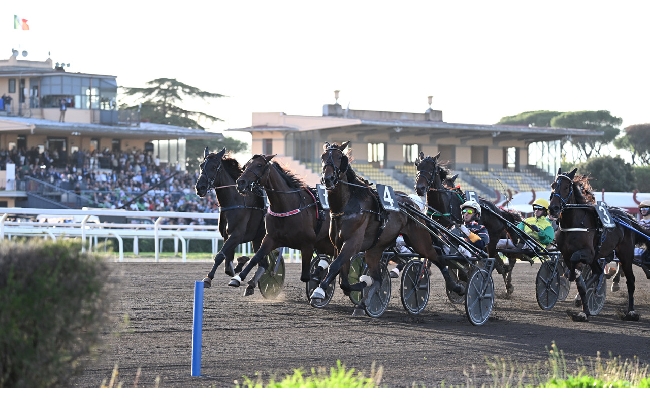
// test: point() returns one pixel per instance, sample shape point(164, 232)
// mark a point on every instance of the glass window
point(375, 152)
point(12, 85)
point(411, 152)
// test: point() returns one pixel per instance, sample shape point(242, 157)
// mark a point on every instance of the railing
point(55, 194)
point(90, 232)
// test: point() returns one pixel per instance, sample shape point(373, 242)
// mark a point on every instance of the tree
point(637, 141)
point(160, 103)
point(642, 176)
point(600, 120)
point(194, 149)
point(611, 174)
point(530, 118)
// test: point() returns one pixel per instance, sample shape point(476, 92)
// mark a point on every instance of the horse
point(360, 224)
point(444, 201)
point(293, 218)
point(241, 219)
point(583, 239)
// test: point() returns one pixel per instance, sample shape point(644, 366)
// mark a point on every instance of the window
point(411, 152)
point(115, 148)
point(12, 86)
point(376, 154)
point(267, 146)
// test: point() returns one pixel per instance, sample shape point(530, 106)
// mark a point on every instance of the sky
point(480, 60)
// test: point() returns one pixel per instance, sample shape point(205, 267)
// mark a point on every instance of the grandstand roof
point(145, 130)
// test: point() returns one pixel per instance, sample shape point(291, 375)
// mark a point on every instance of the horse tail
point(222, 227)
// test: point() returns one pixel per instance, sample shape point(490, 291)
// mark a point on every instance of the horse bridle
point(431, 178)
point(330, 162)
point(564, 201)
point(216, 172)
point(266, 170)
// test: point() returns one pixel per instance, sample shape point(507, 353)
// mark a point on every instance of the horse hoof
point(305, 278)
point(458, 288)
point(249, 291)
point(394, 273)
point(358, 312)
point(207, 282)
point(577, 301)
point(615, 287)
point(318, 294)
point(235, 281)
point(509, 289)
point(229, 271)
point(631, 316)
point(578, 317)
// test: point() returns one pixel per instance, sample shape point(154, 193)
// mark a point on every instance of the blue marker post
point(197, 328)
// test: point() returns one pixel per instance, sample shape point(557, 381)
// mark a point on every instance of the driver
point(539, 227)
point(474, 232)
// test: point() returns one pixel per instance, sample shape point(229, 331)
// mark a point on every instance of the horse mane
point(231, 165)
point(292, 180)
point(583, 191)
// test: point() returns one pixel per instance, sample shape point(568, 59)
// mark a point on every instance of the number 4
point(387, 198)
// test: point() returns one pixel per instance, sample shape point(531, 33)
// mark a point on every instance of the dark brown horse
point(293, 219)
point(360, 224)
point(241, 219)
point(444, 203)
point(583, 239)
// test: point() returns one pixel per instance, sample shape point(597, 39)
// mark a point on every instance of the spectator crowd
point(115, 179)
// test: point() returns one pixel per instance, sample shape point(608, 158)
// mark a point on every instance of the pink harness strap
point(292, 212)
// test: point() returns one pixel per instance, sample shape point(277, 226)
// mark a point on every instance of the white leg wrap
point(318, 293)
point(323, 264)
point(237, 278)
point(367, 279)
point(395, 270)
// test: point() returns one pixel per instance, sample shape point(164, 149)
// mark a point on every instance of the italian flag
point(20, 23)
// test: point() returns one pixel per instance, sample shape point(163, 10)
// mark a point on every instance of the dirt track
point(246, 335)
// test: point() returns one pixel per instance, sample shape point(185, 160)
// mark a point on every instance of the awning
point(15, 126)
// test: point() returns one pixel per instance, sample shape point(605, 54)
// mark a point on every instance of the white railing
point(90, 232)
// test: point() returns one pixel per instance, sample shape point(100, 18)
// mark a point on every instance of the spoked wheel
point(595, 297)
point(414, 288)
point(270, 284)
point(547, 284)
point(458, 275)
point(316, 270)
point(377, 298)
point(480, 296)
point(357, 268)
point(565, 284)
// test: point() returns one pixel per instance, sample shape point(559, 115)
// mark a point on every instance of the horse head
point(256, 169)
point(562, 192)
point(210, 168)
point(335, 163)
point(428, 175)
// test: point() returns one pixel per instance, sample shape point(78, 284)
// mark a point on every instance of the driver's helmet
point(541, 203)
point(644, 204)
point(473, 205)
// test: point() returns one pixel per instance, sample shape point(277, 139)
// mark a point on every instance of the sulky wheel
point(548, 285)
point(378, 295)
point(316, 271)
point(270, 284)
point(480, 296)
point(595, 296)
point(414, 287)
point(565, 284)
point(357, 268)
point(457, 273)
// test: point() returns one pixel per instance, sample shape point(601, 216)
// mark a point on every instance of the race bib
point(387, 197)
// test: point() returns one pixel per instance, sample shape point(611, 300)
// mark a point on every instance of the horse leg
point(368, 284)
point(582, 292)
point(259, 258)
point(306, 253)
point(348, 249)
point(227, 253)
point(616, 280)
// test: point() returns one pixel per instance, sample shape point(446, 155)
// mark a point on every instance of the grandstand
point(484, 183)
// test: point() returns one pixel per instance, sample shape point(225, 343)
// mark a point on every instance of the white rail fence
point(91, 232)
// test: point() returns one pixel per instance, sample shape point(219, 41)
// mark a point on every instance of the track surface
point(243, 336)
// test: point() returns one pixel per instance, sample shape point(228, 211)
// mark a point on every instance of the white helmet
point(422, 205)
point(472, 204)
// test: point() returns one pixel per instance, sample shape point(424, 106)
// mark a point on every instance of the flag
point(20, 23)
